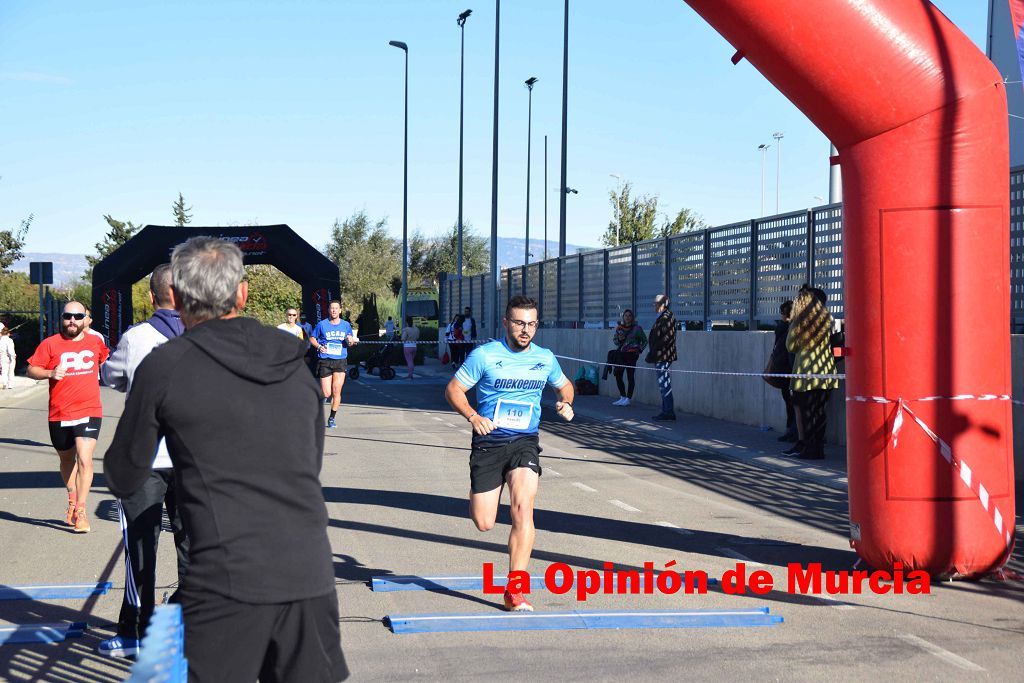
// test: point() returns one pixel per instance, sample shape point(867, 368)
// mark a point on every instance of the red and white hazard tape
point(1003, 526)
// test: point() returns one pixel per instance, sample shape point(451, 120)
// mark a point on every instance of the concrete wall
point(747, 400)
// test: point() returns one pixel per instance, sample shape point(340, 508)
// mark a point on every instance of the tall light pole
point(764, 154)
point(461, 21)
point(495, 275)
point(545, 197)
point(565, 119)
point(778, 167)
point(530, 82)
point(405, 183)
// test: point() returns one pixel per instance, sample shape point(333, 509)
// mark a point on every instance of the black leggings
point(626, 358)
point(811, 405)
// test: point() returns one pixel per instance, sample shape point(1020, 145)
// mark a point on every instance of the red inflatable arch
point(919, 117)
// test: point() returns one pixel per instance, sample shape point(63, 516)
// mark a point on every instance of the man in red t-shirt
point(71, 361)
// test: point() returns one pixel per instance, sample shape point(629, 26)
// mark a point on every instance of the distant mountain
point(511, 250)
point(67, 268)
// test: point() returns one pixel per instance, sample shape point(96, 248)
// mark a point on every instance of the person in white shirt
point(7, 357)
point(389, 327)
point(291, 326)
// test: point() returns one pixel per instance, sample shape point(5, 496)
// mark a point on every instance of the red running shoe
point(515, 602)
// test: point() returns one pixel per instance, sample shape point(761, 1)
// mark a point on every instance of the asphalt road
point(395, 479)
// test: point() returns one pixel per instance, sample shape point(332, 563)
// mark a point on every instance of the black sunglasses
point(73, 316)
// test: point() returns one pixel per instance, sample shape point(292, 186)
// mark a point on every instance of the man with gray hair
point(141, 512)
point(258, 598)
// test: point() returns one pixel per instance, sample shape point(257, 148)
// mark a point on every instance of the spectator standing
point(782, 364)
point(8, 357)
point(663, 353)
point(141, 512)
point(630, 341)
point(410, 335)
point(245, 432)
point(389, 328)
point(809, 339)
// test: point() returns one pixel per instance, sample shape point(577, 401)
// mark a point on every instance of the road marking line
point(729, 552)
point(450, 425)
point(439, 419)
point(834, 603)
point(583, 487)
point(552, 472)
point(945, 655)
point(673, 527)
point(624, 506)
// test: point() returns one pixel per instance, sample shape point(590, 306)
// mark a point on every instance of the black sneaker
point(794, 449)
point(663, 417)
point(789, 437)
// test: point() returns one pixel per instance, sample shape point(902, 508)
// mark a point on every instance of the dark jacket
point(245, 430)
point(663, 339)
point(782, 360)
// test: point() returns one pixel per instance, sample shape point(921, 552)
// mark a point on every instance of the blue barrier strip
point(54, 591)
point(162, 654)
point(384, 584)
point(548, 621)
point(40, 633)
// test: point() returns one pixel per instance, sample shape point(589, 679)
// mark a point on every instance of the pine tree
point(182, 217)
point(119, 233)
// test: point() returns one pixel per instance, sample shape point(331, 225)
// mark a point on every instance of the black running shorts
point(328, 366)
point(488, 465)
point(62, 434)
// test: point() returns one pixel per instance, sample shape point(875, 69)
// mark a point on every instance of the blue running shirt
point(509, 386)
point(332, 338)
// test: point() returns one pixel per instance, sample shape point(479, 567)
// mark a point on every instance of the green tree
point(271, 292)
point(687, 220)
point(119, 233)
point(440, 254)
point(368, 258)
point(182, 217)
point(633, 219)
point(12, 243)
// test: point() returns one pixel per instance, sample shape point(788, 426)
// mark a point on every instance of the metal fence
point(736, 273)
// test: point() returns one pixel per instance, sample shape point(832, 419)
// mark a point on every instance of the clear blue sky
point(290, 112)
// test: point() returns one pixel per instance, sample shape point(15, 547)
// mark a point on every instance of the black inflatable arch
point(277, 245)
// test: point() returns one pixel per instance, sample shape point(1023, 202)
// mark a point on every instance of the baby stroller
point(379, 361)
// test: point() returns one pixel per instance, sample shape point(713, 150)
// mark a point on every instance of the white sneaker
point(617, 403)
point(624, 402)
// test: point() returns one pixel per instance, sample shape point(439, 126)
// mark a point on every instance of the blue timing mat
point(65, 591)
point(40, 633)
point(548, 621)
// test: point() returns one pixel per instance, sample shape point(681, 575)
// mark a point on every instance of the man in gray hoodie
point(141, 511)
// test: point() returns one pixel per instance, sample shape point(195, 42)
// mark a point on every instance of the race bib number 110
point(513, 415)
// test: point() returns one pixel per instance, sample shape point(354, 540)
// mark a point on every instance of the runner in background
point(71, 361)
point(291, 325)
point(509, 376)
point(332, 337)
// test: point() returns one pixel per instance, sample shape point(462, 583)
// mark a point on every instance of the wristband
point(470, 418)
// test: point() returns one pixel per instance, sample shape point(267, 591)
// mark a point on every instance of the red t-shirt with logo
point(78, 394)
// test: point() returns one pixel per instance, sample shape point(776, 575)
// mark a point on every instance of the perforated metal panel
point(1017, 250)
point(781, 261)
point(549, 303)
point(533, 281)
point(569, 291)
point(478, 287)
point(686, 275)
point(650, 279)
point(730, 272)
point(828, 256)
point(515, 283)
point(593, 288)
point(620, 282)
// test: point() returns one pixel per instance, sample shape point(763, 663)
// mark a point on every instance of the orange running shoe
point(81, 521)
point(515, 602)
point(69, 516)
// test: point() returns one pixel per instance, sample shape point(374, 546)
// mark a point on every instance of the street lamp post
point(495, 275)
point(405, 183)
point(565, 119)
point(778, 167)
point(618, 209)
point(545, 197)
point(764, 153)
point(530, 82)
point(462, 98)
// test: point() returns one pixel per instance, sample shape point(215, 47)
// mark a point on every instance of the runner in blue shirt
point(509, 376)
point(331, 338)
